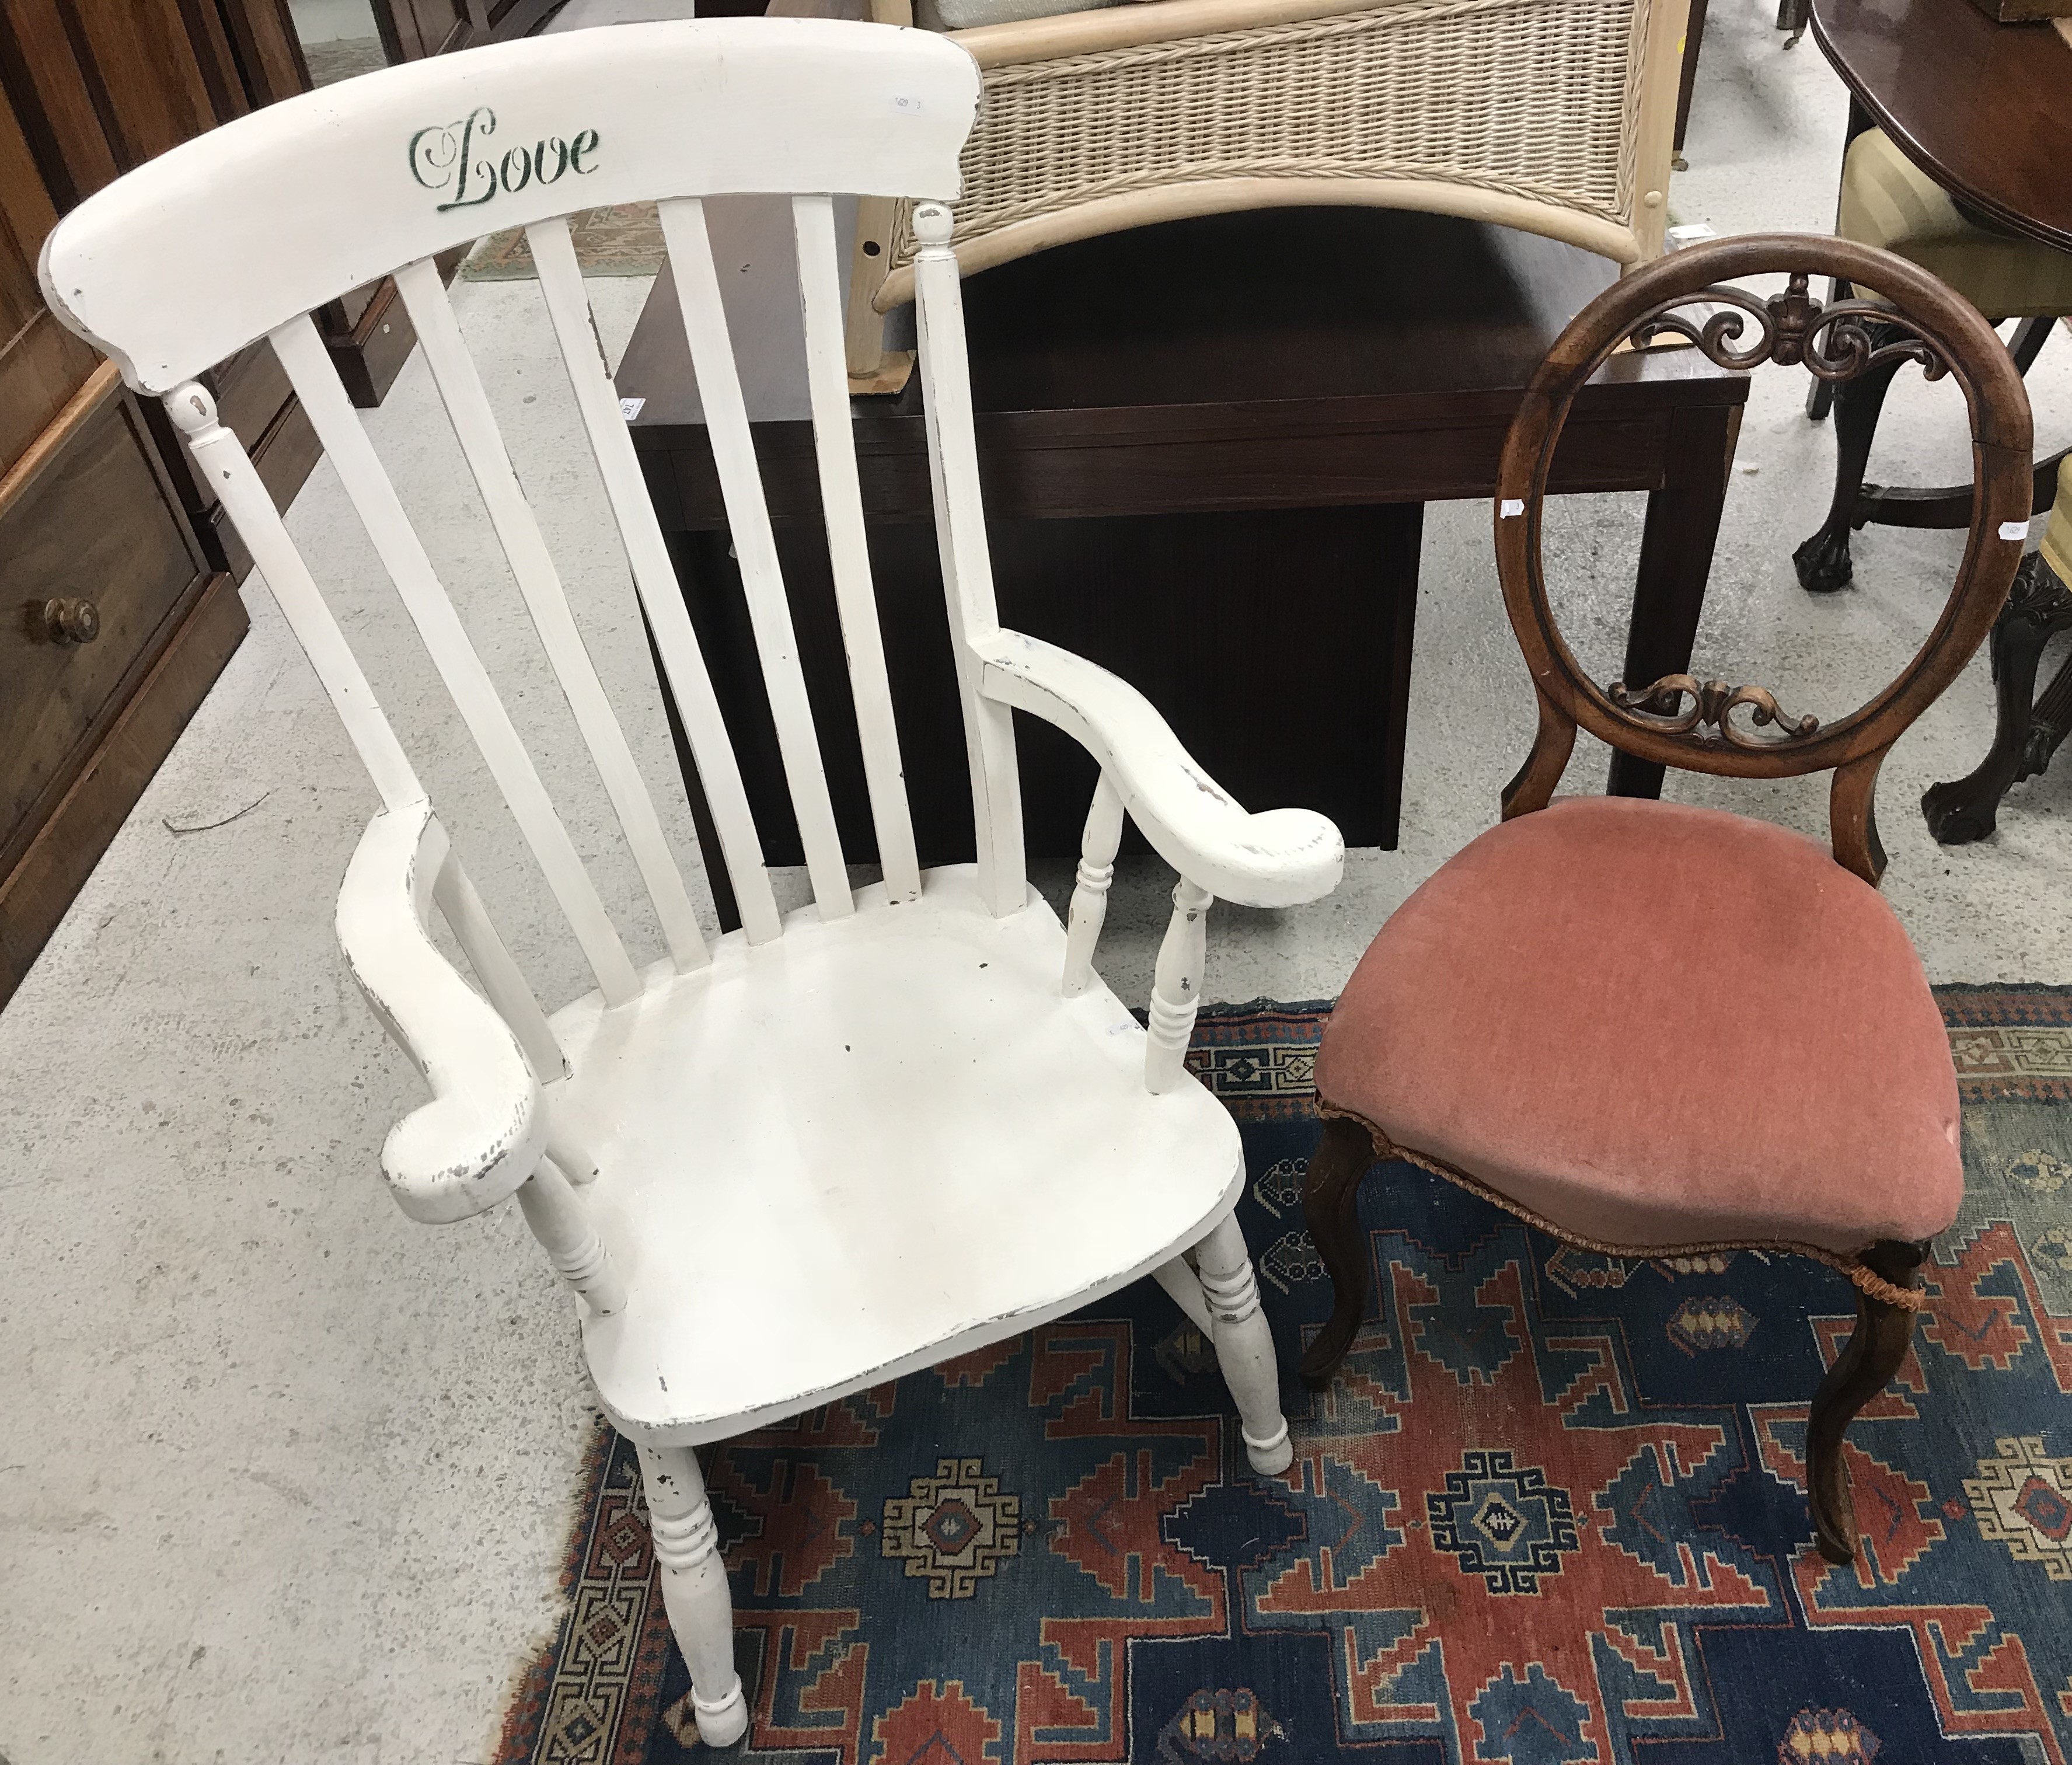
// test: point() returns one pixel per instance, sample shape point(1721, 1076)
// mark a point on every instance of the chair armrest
point(1275, 858)
point(483, 1133)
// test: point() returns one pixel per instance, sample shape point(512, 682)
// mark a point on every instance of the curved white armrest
point(1272, 859)
point(481, 1134)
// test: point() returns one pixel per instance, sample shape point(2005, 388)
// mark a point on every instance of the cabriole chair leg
point(1330, 1203)
point(1863, 1368)
point(1822, 561)
point(694, 1590)
point(1244, 1346)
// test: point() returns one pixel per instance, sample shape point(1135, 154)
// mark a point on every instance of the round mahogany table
point(1984, 109)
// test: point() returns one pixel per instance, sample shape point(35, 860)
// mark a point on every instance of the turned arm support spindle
point(1096, 871)
point(560, 1222)
point(1176, 987)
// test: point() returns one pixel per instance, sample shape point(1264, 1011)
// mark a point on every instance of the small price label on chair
point(630, 408)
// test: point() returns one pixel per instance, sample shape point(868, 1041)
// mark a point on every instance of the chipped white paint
point(1176, 986)
point(1184, 1287)
point(1275, 858)
point(1245, 1345)
point(467, 407)
point(694, 1590)
point(967, 562)
point(318, 193)
point(1097, 872)
point(848, 557)
point(561, 1223)
point(480, 1135)
point(821, 1151)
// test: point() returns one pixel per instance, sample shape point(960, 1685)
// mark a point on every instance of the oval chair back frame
point(1682, 722)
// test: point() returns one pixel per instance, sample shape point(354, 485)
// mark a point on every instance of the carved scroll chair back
point(1556, 1020)
point(806, 1156)
point(1741, 731)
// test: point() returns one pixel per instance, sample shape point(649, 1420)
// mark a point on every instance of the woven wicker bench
point(1554, 116)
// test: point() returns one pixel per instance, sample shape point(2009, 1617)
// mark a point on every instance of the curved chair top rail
point(1684, 721)
point(210, 246)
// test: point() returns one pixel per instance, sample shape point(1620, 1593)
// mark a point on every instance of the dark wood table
point(1981, 107)
point(1206, 447)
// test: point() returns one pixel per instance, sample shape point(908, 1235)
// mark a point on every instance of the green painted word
point(443, 157)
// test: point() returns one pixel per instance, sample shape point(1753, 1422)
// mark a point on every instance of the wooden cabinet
point(411, 28)
point(117, 602)
point(115, 625)
point(118, 605)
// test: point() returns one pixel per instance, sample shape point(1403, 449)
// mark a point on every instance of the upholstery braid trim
point(1866, 1279)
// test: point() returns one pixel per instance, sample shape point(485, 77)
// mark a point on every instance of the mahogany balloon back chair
point(1656, 1030)
point(830, 1147)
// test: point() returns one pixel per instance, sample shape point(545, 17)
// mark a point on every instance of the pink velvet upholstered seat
point(1657, 1025)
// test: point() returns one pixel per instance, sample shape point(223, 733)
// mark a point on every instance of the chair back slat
point(755, 547)
point(841, 504)
point(308, 364)
point(503, 982)
point(481, 445)
point(966, 563)
point(228, 471)
point(655, 578)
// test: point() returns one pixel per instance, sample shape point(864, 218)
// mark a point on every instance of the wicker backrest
point(1554, 116)
point(1708, 725)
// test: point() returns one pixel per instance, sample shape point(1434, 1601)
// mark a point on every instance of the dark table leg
point(1694, 34)
point(1675, 561)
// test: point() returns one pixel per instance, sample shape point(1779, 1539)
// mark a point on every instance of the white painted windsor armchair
point(831, 1147)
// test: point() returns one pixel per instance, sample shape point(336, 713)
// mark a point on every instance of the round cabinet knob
point(70, 620)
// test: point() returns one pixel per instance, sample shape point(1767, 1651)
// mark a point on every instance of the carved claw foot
point(2027, 730)
point(1822, 561)
point(1957, 814)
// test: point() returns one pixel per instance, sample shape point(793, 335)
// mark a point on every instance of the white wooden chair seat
point(871, 1102)
point(825, 1149)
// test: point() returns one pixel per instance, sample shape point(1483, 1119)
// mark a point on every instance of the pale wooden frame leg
point(1245, 1345)
point(694, 1591)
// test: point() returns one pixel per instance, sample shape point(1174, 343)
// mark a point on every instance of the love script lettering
point(445, 156)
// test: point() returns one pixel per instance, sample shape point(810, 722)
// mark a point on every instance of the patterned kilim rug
point(624, 241)
point(1552, 1510)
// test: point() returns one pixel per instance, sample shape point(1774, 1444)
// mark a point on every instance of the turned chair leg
point(694, 1591)
point(1330, 1203)
point(2037, 607)
point(1822, 561)
point(1245, 1345)
point(1864, 1367)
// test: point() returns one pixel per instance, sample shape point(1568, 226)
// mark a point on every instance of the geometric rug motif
point(1551, 1510)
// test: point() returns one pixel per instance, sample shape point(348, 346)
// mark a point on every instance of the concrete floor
point(284, 1477)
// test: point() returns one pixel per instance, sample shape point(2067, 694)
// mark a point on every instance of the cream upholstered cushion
point(1657, 1026)
point(2057, 536)
point(1888, 200)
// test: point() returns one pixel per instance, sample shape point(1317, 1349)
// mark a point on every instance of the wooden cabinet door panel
point(42, 364)
point(94, 523)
